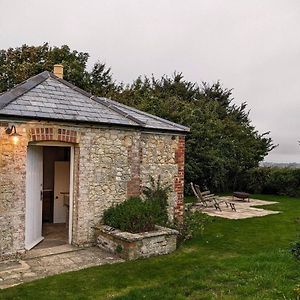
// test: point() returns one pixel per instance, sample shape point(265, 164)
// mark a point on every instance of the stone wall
point(103, 174)
point(159, 158)
point(137, 245)
point(109, 166)
point(12, 194)
point(115, 164)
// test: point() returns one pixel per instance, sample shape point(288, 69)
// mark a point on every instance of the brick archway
point(51, 133)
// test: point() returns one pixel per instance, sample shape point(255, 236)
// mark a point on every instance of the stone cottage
point(66, 156)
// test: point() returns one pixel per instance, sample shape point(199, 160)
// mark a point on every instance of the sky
point(252, 46)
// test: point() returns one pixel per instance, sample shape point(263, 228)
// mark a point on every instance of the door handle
point(41, 196)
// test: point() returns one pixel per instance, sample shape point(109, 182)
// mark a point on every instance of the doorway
point(48, 187)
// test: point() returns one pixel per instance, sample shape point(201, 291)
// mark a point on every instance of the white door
point(61, 191)
point(34, 196)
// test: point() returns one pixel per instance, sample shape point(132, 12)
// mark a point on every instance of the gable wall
point(110, 165)
point(115, 164)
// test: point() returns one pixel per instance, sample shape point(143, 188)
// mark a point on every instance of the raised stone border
point(136, 245)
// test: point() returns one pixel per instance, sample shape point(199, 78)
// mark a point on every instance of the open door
point(34, 196)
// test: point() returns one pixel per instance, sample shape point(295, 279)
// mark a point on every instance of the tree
point(18, 64)
point(101, 82)
point(222, 143)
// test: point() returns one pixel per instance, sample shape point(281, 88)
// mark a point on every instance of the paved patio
point(39, 263)
point(244, 209)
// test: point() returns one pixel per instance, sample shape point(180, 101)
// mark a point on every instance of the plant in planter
point(133, 215)
point(157, 194)
point(131, 228)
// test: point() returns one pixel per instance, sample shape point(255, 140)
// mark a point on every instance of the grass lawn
point(234, 259)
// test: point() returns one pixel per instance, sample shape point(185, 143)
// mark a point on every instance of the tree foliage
point(18, 64)
point(222, 144)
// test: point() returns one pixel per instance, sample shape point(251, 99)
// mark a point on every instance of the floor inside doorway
point(54, 235)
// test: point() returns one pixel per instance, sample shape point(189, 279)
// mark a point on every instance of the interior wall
point(52, 154)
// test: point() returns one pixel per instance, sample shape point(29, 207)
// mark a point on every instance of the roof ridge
point(22, 88)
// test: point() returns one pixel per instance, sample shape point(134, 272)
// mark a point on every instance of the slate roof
point(46, 96)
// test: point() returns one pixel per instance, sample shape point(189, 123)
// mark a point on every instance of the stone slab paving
point(38, 264)
point(244, 209)
point(40, 252)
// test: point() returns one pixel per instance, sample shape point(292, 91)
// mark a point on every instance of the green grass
point(234, 259)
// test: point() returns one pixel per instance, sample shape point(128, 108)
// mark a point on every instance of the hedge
point(270, 180)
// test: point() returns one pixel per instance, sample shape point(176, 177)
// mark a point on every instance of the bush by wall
point(133, 215)
point(193, 225)
point(157, 193)
point(138, 215)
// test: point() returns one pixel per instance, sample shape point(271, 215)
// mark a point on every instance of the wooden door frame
point(71, 188)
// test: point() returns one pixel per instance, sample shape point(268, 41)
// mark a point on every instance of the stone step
point(35, 253)
point(9, 266)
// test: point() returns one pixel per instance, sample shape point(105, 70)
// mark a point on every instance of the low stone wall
point(136, 245)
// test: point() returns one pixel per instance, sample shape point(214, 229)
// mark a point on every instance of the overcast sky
point(252, 46)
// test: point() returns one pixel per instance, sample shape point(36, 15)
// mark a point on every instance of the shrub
point(194, 224)
point(136, 215)
point(254, 180)
point(295, 249)
point(133, 215)
point(296, 292)
point(157, 189)
point(283, 182)
point(295, 246)
point(157, 194)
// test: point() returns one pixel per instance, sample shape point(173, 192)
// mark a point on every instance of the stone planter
point(136, 245)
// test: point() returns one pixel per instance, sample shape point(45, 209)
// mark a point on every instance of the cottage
point(66, 156)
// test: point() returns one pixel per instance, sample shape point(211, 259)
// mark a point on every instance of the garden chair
point(206, 197)
point(200, 200)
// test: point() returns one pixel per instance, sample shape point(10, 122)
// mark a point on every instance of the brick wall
point(135, 156)
point(179, 178)
point(53, 133)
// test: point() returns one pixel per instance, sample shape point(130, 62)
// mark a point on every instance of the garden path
point(39, 263)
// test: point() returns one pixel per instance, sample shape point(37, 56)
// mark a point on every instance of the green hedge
point(280, 181)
